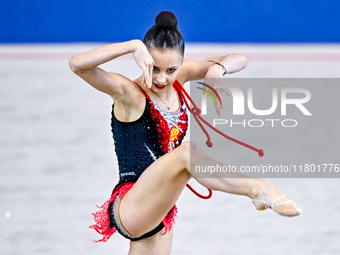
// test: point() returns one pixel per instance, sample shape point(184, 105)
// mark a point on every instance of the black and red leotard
point(137, 145)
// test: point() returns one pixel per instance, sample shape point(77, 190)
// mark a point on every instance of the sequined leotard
point(138, 144)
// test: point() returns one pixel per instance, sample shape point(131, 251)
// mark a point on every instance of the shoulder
point(130, 88)
point(133, 95)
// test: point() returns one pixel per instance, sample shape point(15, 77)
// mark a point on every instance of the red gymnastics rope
point(196, 112)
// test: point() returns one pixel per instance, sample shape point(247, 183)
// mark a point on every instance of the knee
point(191, 152)
point(187, 147)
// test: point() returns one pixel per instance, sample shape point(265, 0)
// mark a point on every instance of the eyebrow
point(174, 67)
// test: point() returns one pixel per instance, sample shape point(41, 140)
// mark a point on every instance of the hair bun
point(166, 19)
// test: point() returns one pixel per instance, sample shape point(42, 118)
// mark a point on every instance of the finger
point(215, 93)
point(215, 100)
point(217, 107)
point(209, 90)
point(150, 74)
point(226, 91)
point(219, 91)
point(219, 103)
point(145, 75)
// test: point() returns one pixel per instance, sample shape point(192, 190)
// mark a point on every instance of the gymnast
point(149, 122)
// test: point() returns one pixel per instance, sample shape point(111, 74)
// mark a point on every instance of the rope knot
point(196, 111)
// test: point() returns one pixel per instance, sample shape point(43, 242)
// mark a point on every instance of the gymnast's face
point(166, 68)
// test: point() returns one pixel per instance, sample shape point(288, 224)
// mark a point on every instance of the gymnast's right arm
point(85, 65)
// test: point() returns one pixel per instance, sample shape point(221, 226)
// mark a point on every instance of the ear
point(183, 59)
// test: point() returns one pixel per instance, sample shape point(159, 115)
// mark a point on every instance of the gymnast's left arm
point(194, 70)
point(211, 72)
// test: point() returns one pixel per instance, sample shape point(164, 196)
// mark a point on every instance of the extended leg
point(159, 187)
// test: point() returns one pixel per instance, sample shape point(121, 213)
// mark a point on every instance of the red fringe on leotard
point(102, 217)
point(169, 220)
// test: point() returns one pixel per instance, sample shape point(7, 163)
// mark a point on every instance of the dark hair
point(165, 34)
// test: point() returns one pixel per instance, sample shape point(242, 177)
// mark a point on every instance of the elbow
point(239, 62)
point(74, 65)
point(243, 60)
point(246, 60)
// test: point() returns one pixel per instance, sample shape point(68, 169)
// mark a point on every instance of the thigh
point(146, 204)
point(155, 245)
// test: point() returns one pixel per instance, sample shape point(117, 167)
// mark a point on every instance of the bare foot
point(266, 195)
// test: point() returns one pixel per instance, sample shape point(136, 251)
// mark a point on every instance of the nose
point(161, 79)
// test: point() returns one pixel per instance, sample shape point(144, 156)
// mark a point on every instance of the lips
point(159, 86)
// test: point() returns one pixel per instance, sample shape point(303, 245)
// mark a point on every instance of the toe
point(288, 210)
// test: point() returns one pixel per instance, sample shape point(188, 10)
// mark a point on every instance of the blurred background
point(24, 21)
point(57, 156)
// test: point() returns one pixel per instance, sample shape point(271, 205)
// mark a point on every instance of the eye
point(171, 70)
point(155, 69)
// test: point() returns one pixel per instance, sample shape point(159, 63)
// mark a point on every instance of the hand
point(214, 76)
point(144, 61)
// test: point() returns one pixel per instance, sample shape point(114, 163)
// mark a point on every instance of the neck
point(164, 94)
point(164, 98)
